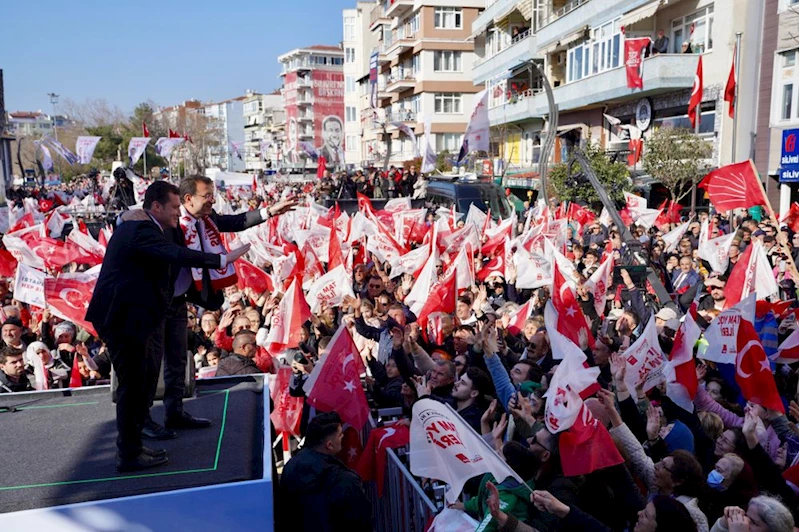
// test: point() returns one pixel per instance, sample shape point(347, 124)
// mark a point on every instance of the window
point(413, 24)
point(416, 103)
point(337, 61)
point(696, 29)
point(448, 103)
point(446, 61)
point(349, 55)
point(349, 84)
point(600, 53)
point(349, 28)
point(707, 121)
point(787, 86)
point(350, 113)
point(351, 143)
point(448, 18)
point(448, 141)
point(416, 64)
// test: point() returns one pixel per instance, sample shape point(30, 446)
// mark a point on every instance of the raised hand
point(652, 422)
point(547, 502)
point(235, 254)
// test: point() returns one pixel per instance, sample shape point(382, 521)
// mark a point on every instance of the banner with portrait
point(328, 115)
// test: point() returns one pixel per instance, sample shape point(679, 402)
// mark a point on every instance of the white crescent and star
point(740, 359)
point(389, 432)
point(696, 85)
point(347, 360)
point(64, 294)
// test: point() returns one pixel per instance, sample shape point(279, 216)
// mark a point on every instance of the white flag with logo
point(330, 289)
point(430, 158)
point(722, 333)
point(673, 237)
point(29, 286)
point(164, 146)
point(477, 132)
point(645, 360)
point(84, 147)
point(444, 447)
point(599, 282)
point(136, 148)
point(716, 252)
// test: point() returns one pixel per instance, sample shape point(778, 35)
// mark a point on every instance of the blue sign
point(789, 158)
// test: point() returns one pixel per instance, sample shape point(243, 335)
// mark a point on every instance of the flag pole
point(737, 63)
point(696, 132)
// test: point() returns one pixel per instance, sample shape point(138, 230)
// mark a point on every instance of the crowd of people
point(726, 463)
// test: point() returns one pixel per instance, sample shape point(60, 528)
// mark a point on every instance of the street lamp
point(54, 100)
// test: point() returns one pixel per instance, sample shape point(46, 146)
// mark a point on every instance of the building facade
point(313, 100)
point(424, 56)
point(579, 45)
point(35, 123)
point(263, 119)
point(226, 119)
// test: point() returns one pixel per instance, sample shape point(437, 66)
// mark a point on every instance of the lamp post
point(54, 101)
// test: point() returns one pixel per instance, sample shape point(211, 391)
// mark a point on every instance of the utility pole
point(54, 101)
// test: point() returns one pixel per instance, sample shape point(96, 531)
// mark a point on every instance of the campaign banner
point(29, 286)
point(410, 133)
point(47, 159)
point(477, 132)
point(634, 61)
point(328, 111)
point(292, 113)
point(61, 150)
point(136, 148)
point(430, 158)
point(164, 146)
point(84, 147)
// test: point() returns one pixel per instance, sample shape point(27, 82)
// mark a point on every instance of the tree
point(614, 177)
point(676, 157)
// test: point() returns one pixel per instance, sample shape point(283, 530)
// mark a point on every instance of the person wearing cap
point(12, 333)
point(595, 236)
point(663, 318)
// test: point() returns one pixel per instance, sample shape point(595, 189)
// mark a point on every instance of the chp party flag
point(634, 61)
point(645, 360)
point(136, 148)
point(335, 383)
point(751, 274)
point(444, 447)
point(330, 289)
point(735, 186)
point(84, 147)
point(722, 333)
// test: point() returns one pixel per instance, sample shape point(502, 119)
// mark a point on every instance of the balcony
point(494, 10)
point(662, 73)
point(400, 82)
point(304, 81)
point(306, 133)
point(305, 100)
point(400, 115)
point(305, 117)
point(521, 49)
point(577, 14)
point(397, 8)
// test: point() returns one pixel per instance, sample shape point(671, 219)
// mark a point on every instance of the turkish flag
point(753, 371)
point(681, 381)
point(518, 319)
point(144, 131)
point(696, 95)
point(45, 205)
point(75, 380)
point(364, 204)
point(636, 147)
point(335, 383)
point(792, 218)
point(287, 411)
point(729, 89)
point(587, 446)
point(580, 214)
point(351, 447)
point(68, 297)
point(56, 253)
point(335, 255)
point(496, 239)
point(443, 297)
point(105, 236)
point(174, 134)
point(251, 276)
point(8, 264)
point(571, 323)
point(287, 319)
point(495, 265)
point(735, 186)
point(372, 463)
point(23, 223)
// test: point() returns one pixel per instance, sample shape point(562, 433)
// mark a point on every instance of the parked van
point(463, 191)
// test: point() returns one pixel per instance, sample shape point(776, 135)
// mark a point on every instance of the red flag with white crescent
point(753, 371)
point(696, 95)
point(68, 297)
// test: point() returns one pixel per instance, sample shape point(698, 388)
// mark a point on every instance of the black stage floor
point(59, 447)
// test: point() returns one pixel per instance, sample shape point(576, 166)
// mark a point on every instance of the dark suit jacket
point(233, 223)
point(688, 281)
point(134, 286)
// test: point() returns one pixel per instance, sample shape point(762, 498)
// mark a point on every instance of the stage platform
point(58, 457)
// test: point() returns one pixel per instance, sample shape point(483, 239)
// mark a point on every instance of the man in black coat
point(197, 198)
point(129, 301)
point(242, 360)
point(319, 492)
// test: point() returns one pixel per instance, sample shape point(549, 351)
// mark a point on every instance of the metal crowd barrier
point(404, 504)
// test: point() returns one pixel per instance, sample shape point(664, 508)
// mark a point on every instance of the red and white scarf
point(211, 243)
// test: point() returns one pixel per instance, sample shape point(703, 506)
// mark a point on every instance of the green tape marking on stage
point(57, 406)
point(145, 475)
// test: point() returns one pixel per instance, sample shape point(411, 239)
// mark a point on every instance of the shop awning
point(640, 14)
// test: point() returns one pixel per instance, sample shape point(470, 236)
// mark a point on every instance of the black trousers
point(135, 369)
point(170, 344)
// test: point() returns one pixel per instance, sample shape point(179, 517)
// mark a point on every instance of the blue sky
point(168, 51)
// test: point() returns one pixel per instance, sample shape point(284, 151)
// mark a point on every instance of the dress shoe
point(154, 431)
point(140, 462)
point(187, 421)
point(153, 452)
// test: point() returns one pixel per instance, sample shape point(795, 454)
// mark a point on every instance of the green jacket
point(513, 500)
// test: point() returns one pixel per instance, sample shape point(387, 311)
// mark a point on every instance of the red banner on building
point(634, 50)
point(328, 115)
point(290, 103)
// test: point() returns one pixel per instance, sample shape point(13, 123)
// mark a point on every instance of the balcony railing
point(511, 97)
point(401, 115)
point(563, 11)
point(519, 38)
point(401, 76)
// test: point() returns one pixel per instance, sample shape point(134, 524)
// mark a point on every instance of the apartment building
point(313, 99)
point(264, 121)
point(424, 59)
point(580, 45)
point(778, 98)
point(35, 123)
point(226, 119)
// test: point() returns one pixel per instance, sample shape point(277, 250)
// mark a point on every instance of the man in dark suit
point(685, 277)
point(197, 197)
point(129, 301)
